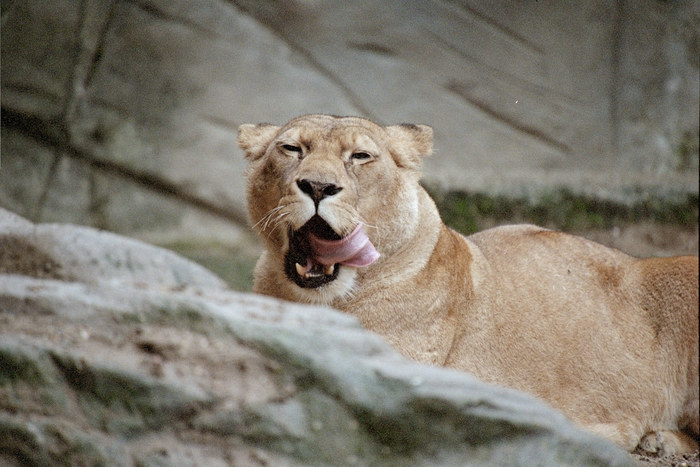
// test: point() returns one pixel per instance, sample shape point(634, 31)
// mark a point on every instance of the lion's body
point(609, 339)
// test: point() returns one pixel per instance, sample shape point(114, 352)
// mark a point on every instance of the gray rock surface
point(82, 254)
point(172, 368)
point(122, 114)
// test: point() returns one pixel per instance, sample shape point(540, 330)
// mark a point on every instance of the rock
point(123, 354)
point(89, 256)
point(123, 115)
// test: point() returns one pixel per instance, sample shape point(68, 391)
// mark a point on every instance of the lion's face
point(330, 195)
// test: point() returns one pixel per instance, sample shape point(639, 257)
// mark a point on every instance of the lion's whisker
point(277, 222)
point(266, 218)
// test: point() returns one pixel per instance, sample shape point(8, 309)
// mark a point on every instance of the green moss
point(180, 315)
point(560, 209)
point(188, 316)
point(71, 447)
point(56, 444)
point(17, 366)
point(22, 443)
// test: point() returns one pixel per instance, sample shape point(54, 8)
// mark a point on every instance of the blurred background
point(577, 115)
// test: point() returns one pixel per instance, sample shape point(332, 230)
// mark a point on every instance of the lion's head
point(329, 195)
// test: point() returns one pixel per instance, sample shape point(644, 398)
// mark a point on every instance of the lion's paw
point(666, 442)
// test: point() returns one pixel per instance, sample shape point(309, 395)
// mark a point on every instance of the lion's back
point(533, 248)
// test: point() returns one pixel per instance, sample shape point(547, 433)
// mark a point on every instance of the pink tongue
point(354, 250)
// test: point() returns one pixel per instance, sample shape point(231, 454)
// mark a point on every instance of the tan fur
point(609, 339)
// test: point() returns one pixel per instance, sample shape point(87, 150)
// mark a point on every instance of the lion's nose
point(318, 190)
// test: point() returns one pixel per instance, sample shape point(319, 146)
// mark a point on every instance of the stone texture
point(169, 367)
point(82, 254)
point(111, 107)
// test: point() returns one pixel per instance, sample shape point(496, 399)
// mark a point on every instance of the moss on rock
point(560, 209)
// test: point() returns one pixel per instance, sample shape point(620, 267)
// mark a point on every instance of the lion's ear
point(411, 142)
point(254, 139)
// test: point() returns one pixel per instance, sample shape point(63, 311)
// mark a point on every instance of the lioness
point(609, 339)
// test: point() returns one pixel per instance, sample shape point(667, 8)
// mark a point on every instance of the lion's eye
point(291, 149)
point(359, 156)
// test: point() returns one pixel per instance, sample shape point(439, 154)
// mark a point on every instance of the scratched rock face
point(172, 368)
point(122, 115)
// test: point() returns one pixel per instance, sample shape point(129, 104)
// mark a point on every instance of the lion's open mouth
point(316, 253)
point(300, 265)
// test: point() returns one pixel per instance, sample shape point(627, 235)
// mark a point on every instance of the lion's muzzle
point(316, 253)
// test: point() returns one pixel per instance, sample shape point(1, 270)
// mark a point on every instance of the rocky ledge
point(114, 352)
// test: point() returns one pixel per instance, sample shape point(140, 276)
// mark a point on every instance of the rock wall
point(113, 352)
point(121, 114)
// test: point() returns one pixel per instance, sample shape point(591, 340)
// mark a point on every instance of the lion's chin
point(332, 293)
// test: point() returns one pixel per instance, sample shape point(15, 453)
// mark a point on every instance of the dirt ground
point(676, 460)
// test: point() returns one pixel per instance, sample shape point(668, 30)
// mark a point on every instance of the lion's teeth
point(301, 270)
